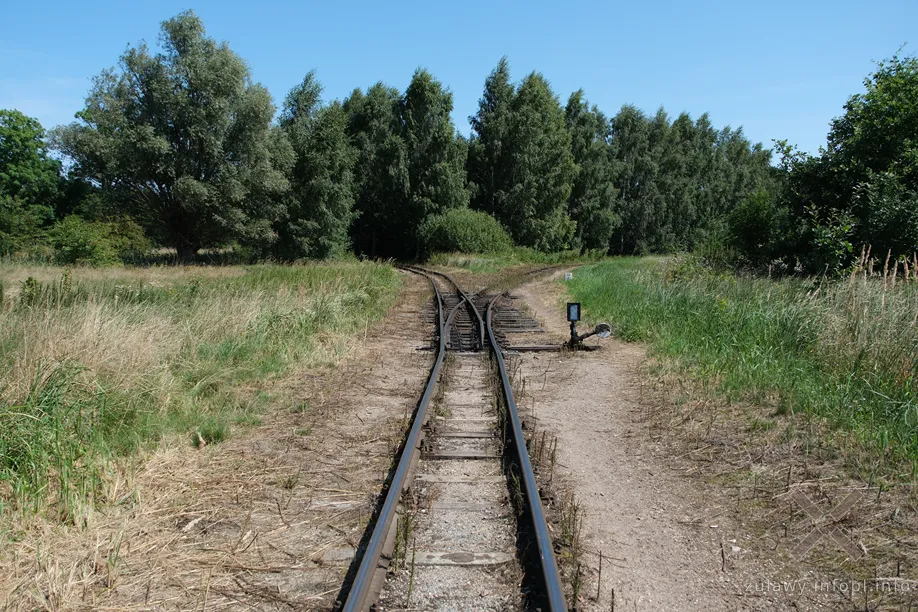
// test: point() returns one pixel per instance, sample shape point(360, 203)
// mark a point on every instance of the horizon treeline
point(181, 148)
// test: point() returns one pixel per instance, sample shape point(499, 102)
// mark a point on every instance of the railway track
point(460, 525)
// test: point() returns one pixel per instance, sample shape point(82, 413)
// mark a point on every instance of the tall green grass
point(846, 350)
point(97, 366)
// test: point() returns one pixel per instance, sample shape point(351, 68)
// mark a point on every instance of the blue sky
point(780, 69)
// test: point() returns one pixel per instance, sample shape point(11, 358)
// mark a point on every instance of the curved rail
point(553, 589)
point(366, 573)
point(462, 294)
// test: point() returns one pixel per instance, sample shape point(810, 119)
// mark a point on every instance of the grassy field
point(99, 365)
point(495, 262)
point(843, 350)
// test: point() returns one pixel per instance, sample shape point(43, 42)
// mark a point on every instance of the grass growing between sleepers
point(845, 350)
point(99, 365)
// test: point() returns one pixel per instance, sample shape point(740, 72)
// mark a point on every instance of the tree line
point(181, 148)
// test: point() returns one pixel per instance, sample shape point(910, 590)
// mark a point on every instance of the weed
point(760, 425)
point(414, 551)
point(210, 431)
point(30, 292)
point(404, 532)
point(576, 585)
point(288, 481)
point(571, 519)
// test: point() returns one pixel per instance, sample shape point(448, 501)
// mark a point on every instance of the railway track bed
point(460, 550)
point(460, 525)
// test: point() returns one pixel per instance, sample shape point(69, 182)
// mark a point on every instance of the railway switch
point(603, 330)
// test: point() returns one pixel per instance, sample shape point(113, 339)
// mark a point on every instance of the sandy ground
point(667, 543)
point(263, 521)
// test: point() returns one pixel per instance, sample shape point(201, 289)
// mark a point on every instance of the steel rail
point(362, 586)
point(369, 564)
point(465, 297)
point(552, 580)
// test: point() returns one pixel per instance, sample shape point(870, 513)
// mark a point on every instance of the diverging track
point(460, 525)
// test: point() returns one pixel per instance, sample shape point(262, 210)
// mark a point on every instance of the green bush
point(96, 243)
point(465, 231)
point(755, 229)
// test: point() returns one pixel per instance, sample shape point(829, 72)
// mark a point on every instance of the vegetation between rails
point(843, 350)
point(98, 365)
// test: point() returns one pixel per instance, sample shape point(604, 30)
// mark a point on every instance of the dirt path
point(667, 543)
point(264, 521)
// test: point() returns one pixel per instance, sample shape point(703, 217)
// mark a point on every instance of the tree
point(382, 170)
point(757, 228)
point(29, 180)
point(636, 181)
point(410, 164)
point(862, 188)
point(541, 169)
point(488, 161)
point(870, 166)
point(319, 206)
point(593, 195)
point(182, 141)
point(879, 130)
point(678, 181)
point(435, 156)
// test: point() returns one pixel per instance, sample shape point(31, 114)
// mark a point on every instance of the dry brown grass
point(100, 365)
point(12, 274)
point(752, 460)
point(255, 521)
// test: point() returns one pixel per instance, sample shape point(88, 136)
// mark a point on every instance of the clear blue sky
point(780, 69)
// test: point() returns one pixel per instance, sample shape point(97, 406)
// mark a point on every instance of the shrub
point(463, 230)
point(755, 228)
point(96, 243)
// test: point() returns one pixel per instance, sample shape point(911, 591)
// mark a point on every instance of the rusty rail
point(359, 595)
point(554, 592)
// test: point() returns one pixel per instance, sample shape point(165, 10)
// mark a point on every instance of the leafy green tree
point(436, 157)
point(677, 184)
point(756, 228)
point(879, 130)
point(381, 171)
point(181, 140)
point(541, 169)
point(892, 213)
point(864, 185)
point(489, 160)
point(410, 163)
point(678, 181)
point(320, 203)
point(30, 180)
point(632, 151)
point(593, 200)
